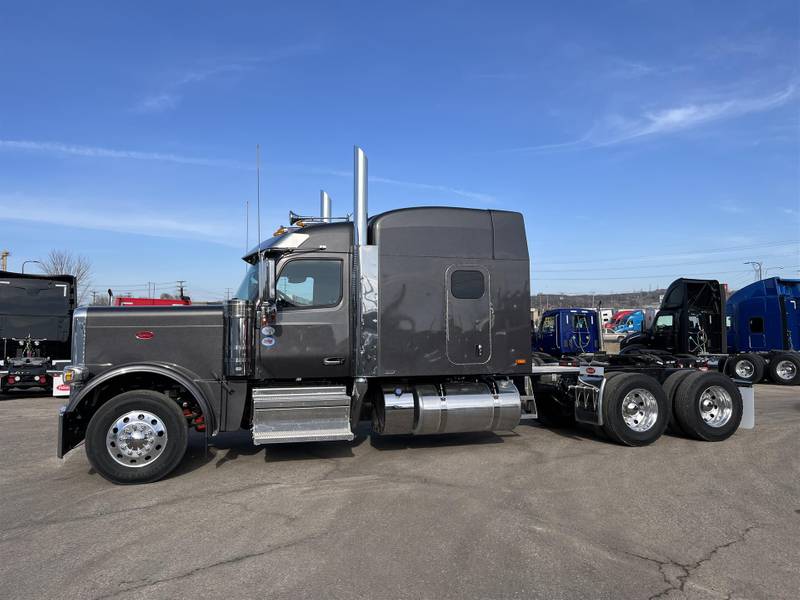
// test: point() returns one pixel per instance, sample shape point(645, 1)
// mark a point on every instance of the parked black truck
point(35, 328)
point(752, 334)
point(416, 318)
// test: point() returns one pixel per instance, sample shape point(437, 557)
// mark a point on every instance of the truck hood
point(182, 335)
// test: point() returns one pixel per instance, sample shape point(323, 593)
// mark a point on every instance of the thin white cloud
point(476, 196)
point(171, 95)
point(159, 102)
point(731, 208)
point(616, 129)
point(50, 211)
point(59, 148)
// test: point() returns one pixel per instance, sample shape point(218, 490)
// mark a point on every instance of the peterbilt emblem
point(590, 370)
point(145, 335)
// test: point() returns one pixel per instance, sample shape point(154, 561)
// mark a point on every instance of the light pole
point(38, 262)
point(766, 272)
point(756, 267)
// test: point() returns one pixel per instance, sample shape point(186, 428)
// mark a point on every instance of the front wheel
point(136, 437)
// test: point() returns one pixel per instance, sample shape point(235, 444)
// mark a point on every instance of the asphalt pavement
point(537, 513)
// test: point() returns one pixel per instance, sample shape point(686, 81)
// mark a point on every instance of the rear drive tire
point(670, 388)
point(708, 406)
point(136, 437)
point(635, 409)
point(747, 367)
point(784, 369)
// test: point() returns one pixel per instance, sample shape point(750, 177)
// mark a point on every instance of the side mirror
point(271, 276)
point(266, 280)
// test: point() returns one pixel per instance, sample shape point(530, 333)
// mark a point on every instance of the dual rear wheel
point(701, 405)
point(783, 368)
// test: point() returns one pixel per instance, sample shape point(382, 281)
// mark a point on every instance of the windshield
point(249, 288)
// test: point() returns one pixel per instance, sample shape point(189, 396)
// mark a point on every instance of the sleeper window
point(756, 325)
point(467, 285)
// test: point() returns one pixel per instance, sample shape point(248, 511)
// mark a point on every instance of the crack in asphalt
point(139, 584)
point(677, 582)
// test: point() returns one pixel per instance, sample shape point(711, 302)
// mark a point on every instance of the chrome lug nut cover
point(786, 370)
point(716, 406)
point(639, 410)
point(136, 439)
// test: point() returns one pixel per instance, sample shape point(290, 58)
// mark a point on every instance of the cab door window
point(309, 283)
point(663, 323)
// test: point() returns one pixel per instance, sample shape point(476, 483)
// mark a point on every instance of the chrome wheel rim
point(745, 369)
point(716, 406)
point(639, 410)
point(136, 439)
point(786, 370)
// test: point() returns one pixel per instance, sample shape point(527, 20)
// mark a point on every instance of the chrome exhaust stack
point(360, 197)
point(365, 277)
point(324, 206)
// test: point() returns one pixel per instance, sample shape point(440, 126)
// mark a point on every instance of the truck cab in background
point(35, 328)
point(752, 334)
point(763, 330)
point(568, 331)
point(691, 320)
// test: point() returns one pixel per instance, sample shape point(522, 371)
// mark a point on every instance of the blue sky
point(642, 140)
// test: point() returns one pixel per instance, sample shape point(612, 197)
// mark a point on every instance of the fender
point(178, 374)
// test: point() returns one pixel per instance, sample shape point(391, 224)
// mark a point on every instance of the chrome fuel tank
point(448, 408)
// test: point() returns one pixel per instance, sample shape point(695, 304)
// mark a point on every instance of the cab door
point(310, 338)
point(469, 315)
point(548, 334)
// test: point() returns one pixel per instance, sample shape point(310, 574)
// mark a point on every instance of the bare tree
point(100, 299)
point(64, 262)
point(166, 296)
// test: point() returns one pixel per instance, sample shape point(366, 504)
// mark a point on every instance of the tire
point(708, 406)
point(635, 409)
point(747, 367)
point(784, 369)
point(138, 460)
point(670, 388)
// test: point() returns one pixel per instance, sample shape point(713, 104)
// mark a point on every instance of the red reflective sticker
point(145, 335)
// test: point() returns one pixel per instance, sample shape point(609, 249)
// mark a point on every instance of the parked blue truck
point(568, 331)
point(755, 333)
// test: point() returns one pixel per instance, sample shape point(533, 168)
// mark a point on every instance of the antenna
point(258, 195)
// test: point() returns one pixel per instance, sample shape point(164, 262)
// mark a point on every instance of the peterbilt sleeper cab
point(416, 318)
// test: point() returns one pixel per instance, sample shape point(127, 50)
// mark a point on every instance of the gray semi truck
point(417, 319)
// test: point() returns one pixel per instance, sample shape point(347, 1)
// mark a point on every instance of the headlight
point(74, 374)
